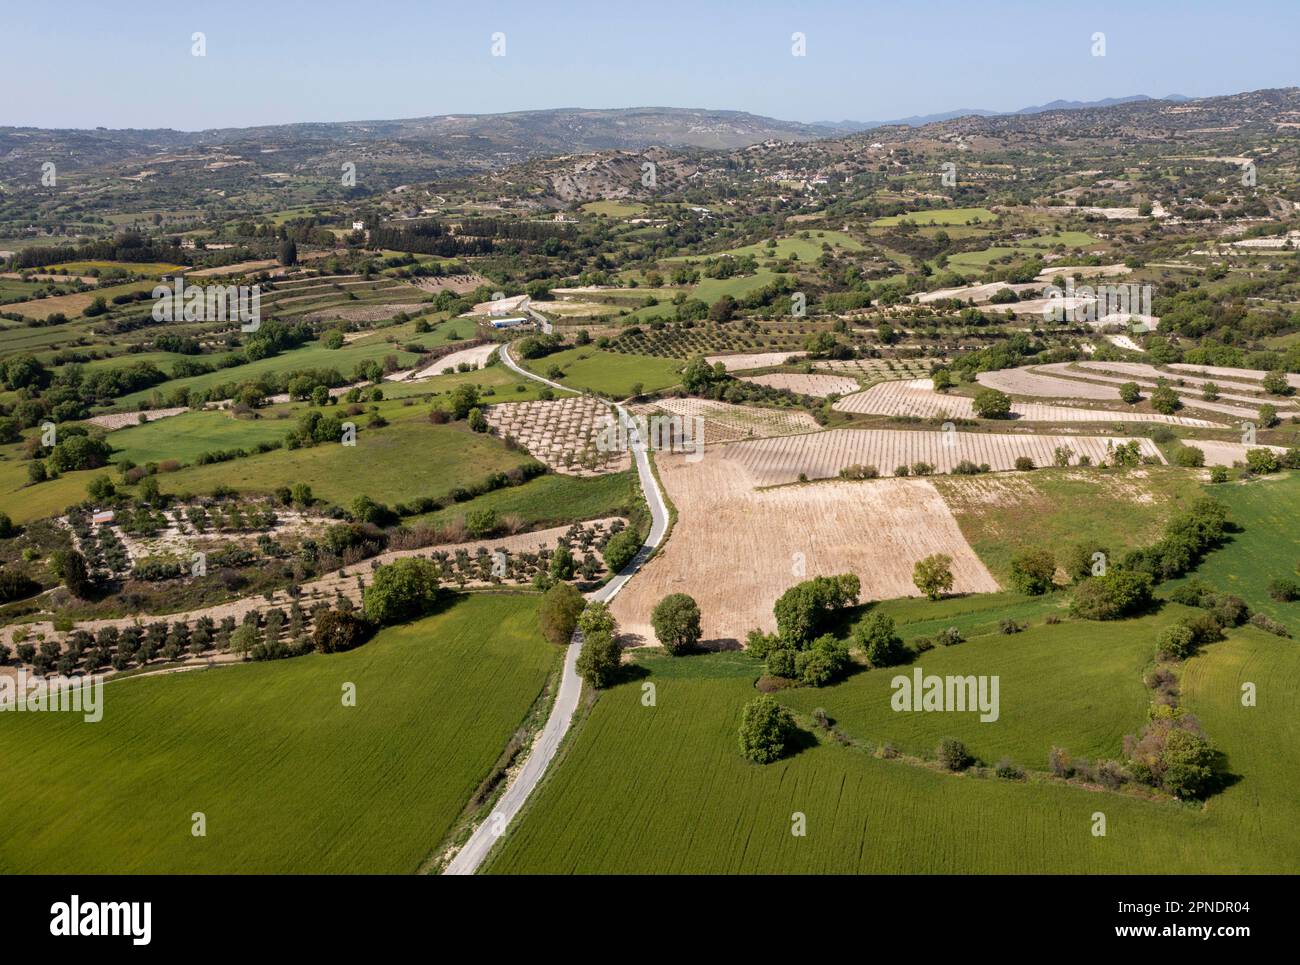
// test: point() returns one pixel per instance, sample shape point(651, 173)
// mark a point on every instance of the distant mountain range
point(918, 120)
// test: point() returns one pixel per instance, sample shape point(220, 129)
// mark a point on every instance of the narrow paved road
point(480, 843)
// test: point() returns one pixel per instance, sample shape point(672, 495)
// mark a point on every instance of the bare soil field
point(1220, 371)
point(724, 422)
point(453, 283)
point(239, 268)
point(563, 433)
point(918, 398)
point(821, 455)
point(476, 356)
point(1030, 382)
point(736, 549)
point(1190, 397)
point(753, 360)
point(875, 370)
point(818, 385)
point(123, 420)
point(1218, 453)
point(1081, 271)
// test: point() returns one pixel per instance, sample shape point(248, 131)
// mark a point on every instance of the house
point(358, 226)
point(508, 322)
point(102, 518)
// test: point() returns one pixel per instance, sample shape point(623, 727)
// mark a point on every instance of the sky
point(285, 61)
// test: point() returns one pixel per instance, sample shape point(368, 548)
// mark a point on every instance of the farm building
point(508, 322)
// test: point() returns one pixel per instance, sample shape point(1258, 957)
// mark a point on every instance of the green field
point(611, 374)
point(399, 462)
point(939, 216)
point(551, 500)
point(289, 779)
point(664, 789)
point(185, 437)
point(1266, 548)
point(1053, 509)
point(615, 209)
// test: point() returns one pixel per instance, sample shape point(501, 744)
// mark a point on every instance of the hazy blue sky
point(88, 63)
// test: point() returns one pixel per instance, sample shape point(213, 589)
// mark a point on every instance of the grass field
point(551, 500)
point(615, 209)
point(74, 304)
point(147, 268)
point(1053, 509)
point(24, 502)
point(289, 779)
point(1266, 548)
point(664, 789)
point(610, 374)
point(185, 437)
point(939, 216)
point(400, 462)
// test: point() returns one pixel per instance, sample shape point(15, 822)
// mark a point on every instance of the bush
point(620, 549)
point(401, 590)
point(876, 638)
point(765, 730)
point(952, 754)
point(1034, 572)
point(992, 404)
point(1165, 400)
point(949, 637)
point(1117, 593)
point(559, 611)
point(822, 663)
point(1008, 770)
point(676, 622)
point(1131, 393)
point(1271, 626)
point(1218, 474)
point(1024, 463)
point(803, 610)
point(933, 575)
point(1175, 642)
point(1262, 461)
point(1189, 457)
point(337, 630)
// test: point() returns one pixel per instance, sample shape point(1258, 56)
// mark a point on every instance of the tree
point(463, 398)
point(952, 754)
point(70, 567)
point(765, 729)
point(477, 420)
point(1165, 400)
point(7, 527)
point(877, 639)
point(1262, 461)
point(992, 404)
point(288, 252)
point(676, 621)
point(620, 549)
point(400, 591)
point(558, 614)
point(1114, 594)
point(1275, 383)
point(1131, 393)
point(562, 565)
point(822, 663)
point(943, 380)
point(598, 661)
point(802, 610)
point(1033, 572)
point(933, 575)
point(338, 630)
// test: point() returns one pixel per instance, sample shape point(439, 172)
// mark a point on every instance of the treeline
point(126, 247)
point(515, 230)
point(424, 240)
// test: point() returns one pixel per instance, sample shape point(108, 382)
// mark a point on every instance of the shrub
point(822, 663)
point(1165, 400)
point(400, 590)
point(620, 549)
point(765, 730)
point(952, 754)
point(1262, 461)
point(1034, 572)
point(1024, 463)
point(1008, 770)
point(992, 404)
point(1271, 626)
point(1189, 457)
point(1131, 393)
point(1115, 594)
point(559, 611)
point(876, 638)
point(949, 637)
point(1218, 474)
point(337, 630)
point(1175, 642)
point(933, 575)
point(676, 622)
